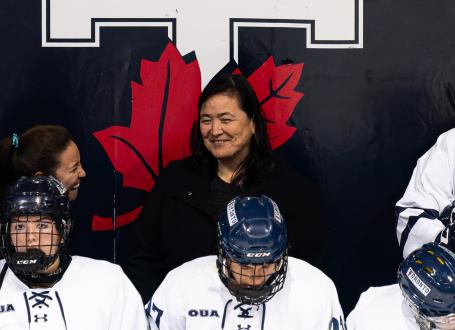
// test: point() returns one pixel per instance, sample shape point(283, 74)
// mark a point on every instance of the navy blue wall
point(365, 117)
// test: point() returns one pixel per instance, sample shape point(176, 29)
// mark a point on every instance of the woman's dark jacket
point(177, 223)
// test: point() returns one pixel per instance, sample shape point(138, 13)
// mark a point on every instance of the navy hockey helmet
point(252, 258)
point(34, 225)
point(427, 279)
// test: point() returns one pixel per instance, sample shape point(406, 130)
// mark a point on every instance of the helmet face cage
point(445, 322)
point(426, 281)
point(252, 284)
point(252, 257)
point(35, 226)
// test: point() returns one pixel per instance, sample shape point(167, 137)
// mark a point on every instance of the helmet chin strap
point(46, 279)
point(32, 261)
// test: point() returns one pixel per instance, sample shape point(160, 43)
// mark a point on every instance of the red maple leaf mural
point(164, 109)
point(275, 89)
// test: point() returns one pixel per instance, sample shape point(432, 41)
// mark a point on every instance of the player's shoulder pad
point(446, 140)
point(378, 296)
point(198, 269)
point(302, 274)
point(450, 134)
point(99, 268)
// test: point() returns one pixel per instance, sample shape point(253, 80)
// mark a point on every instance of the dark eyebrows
point(226, 113)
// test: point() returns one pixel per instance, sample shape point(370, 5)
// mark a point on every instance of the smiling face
point(226, 129)
point(69, 170)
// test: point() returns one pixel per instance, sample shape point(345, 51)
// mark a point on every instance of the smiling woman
point(226, 131)
point(231, 156)
point(41, 150)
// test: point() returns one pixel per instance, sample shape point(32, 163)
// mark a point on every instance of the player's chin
point(249, 286)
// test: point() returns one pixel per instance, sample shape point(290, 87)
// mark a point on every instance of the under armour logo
point(248, 327)
point(38, 318)
point(245, 313)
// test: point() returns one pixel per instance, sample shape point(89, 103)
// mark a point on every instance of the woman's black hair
point(259, 161)
point(36, 150)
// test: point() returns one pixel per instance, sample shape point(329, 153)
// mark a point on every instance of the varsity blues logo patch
point(424, 289)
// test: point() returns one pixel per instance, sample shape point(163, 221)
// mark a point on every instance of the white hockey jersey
point(192, 297)
point(429, 196)
point(92, 294)
point(381, 308)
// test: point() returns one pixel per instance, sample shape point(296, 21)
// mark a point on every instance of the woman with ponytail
point(41, 150)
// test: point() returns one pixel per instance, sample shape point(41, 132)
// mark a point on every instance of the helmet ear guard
point(35, 226)
point(252, 257)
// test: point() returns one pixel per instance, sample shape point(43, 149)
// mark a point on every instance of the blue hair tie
point(15, 141)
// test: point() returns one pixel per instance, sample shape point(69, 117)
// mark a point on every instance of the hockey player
point(425, 211)
point(423, 298)
point(251, 283)
point(41, 285)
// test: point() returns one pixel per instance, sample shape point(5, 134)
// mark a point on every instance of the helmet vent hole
point(429, 270)
point(440, 260)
